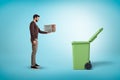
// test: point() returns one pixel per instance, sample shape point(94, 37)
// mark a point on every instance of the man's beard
point(36, 20)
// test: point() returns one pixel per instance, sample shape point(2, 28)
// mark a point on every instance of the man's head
point(36, 17)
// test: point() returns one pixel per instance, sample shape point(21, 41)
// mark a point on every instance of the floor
point(76, 21)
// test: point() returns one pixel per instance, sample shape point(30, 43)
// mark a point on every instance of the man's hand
point(48, 32)
point(34, 42)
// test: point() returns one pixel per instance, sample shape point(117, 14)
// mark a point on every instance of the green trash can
point(81, 53)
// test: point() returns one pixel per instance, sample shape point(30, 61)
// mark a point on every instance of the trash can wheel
point(88, 65)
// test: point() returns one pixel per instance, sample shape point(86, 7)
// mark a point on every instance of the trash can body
point(81, 53)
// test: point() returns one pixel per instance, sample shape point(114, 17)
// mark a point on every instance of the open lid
point(95, 35)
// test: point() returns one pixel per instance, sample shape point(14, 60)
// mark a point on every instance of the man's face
point(36, 19)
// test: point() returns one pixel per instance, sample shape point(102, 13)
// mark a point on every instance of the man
point(34, 30)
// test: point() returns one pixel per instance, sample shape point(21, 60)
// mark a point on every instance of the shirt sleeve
point(43, 32)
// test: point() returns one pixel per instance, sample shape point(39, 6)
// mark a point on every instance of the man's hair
point(35, 15)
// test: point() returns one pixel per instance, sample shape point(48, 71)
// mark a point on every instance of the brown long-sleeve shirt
point(34, 30)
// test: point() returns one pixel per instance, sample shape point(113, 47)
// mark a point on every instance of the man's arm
point(43, 32)
point(32, 31)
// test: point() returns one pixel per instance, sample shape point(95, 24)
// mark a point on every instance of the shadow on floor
point(101, 63)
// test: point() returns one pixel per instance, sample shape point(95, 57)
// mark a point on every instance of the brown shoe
point(34, 67)
point(37, 65)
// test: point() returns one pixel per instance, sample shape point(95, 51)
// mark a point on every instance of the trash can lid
point(80, 42)
point(95, 35)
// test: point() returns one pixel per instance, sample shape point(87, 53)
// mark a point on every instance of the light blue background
point(76, 20)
